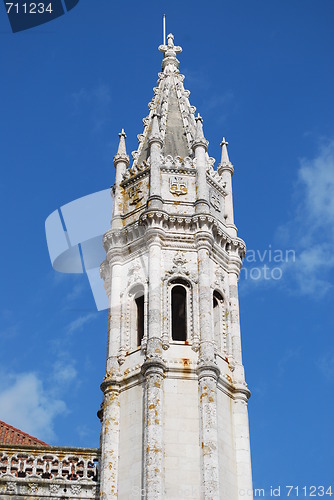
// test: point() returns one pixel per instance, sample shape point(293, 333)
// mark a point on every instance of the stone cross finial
point(224, 159)
point(170, 64)
point(199, 136)
point(225, 164)
point(121, 154)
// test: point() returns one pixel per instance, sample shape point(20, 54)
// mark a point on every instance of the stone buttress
point(174, 412)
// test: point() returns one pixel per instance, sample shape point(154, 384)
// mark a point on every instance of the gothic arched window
point(179, 292)
point(136, 310)
point(140, 318)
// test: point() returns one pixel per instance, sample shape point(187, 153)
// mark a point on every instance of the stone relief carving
point(178, 186)
point(215, 200)
point(54, 488)
point(135, 274)
point(75, 489)
point(135, 194)
point(11, 487)
point(33, 487)
point(220, 279)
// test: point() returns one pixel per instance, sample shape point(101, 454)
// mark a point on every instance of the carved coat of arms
point(215, 200)
point(135, 195)
point(178, 186)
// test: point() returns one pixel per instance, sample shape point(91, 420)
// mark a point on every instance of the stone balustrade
point(48, 472)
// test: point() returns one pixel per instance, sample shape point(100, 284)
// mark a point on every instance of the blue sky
point(261, 74)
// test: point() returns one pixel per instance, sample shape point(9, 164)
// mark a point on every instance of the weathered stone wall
point(131, 443)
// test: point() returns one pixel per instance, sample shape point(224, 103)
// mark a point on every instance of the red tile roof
point(11, 435)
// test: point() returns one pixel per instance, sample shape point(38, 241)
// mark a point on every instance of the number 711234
point(308, 491)
point(29, 8)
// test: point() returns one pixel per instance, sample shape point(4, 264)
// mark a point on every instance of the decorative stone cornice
point(215, 180)
point(241, 393)
point(177, 164)
point(207, 369)
point(161, 221)
point(135, 173)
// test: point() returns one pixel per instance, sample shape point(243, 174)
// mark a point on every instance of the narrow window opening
point(140, 318)
point(179, 316)
point(217, 318)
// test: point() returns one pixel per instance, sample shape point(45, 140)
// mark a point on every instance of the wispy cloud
point(326, 366)
point(223, 104)
point(99, 95)
point(9, 325)
point(97, 100)
point(286, 360)
point(64, 371)
point(78, 323)
point(28, 405)
point(75, 292)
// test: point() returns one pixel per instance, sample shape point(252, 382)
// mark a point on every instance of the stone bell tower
point(174, 412)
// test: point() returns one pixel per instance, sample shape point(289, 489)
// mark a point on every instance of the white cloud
point(64, 372)
point(316, 177)
point(27, 405)
point(310, 231)
point(312, 228)
point(326, 366)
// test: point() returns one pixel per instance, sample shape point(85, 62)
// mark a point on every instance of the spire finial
point(199, 135)
point(170, 63)
point(121, 154)
point(225, 164)
point(224, 159)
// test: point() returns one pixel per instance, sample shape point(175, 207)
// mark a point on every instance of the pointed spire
point(224, 158)
point(155, 135)
point(170, 63)
point(199, 136)
point(225, 163)
point(121, 155)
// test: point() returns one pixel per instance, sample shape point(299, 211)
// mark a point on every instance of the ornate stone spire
point(121, 155)
point(225, 163)
point(170, 63)
point(199, 136)
point(225, 158)
point(155, 135)
point(175, 115)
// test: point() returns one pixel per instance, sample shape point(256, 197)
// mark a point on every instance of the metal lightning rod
point(164, 29)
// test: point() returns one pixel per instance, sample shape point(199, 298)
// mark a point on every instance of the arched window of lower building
point(179, 312)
